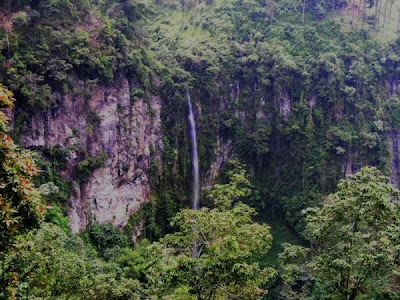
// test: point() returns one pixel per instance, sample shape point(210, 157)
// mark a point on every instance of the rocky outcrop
point(284, 103)
point(102, 124)
point(223, 153)
point(347, 165)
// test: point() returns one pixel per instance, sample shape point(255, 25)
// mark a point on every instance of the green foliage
point(55, 189)
point(135, 262)
point(139, 93)
point(238, 187)
point(20, 205)
point(106, 239)
point(55, 215)
point(85, 168)
point(394, 111)
point(51, 43)
point(49, 264)
point(298, 98)
point(297, 94)
point(144, 222)
point(211, 255)
point(301, 93)
point(354, 238)
point(44, 267)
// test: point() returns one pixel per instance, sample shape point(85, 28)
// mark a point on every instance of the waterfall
point(195, 157)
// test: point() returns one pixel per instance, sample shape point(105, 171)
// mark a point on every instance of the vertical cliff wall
point(110, 139)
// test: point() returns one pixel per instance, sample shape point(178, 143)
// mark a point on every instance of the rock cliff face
point(122, 134)
point(223, 153)
point(105, 125)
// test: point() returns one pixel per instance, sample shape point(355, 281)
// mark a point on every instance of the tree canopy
point(355, 239)
point(213, 253)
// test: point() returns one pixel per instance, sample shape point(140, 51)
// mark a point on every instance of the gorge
point(147, 119)
point(290, 110)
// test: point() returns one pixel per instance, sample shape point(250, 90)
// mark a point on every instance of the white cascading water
point(195, 157)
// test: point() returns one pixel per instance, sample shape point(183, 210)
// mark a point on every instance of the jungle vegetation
point(307, 91)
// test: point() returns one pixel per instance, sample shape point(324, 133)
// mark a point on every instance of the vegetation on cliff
point(305, 92)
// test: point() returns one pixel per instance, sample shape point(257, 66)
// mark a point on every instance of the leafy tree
point(50, 264)
point(55, 215)
point(355, 239)
point(43, 267)
point(134, 262)
point(237, 188)
point(20, 205)
point(211, 256)
point(106, 238)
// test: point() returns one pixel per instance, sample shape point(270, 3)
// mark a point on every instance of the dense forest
point(217, 149)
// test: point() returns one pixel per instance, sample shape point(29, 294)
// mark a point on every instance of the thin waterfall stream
point(195, 157)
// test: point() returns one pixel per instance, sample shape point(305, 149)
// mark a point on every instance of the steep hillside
point(282, 117)
point(303, 100)
point(78, 70)
point(302, 92)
